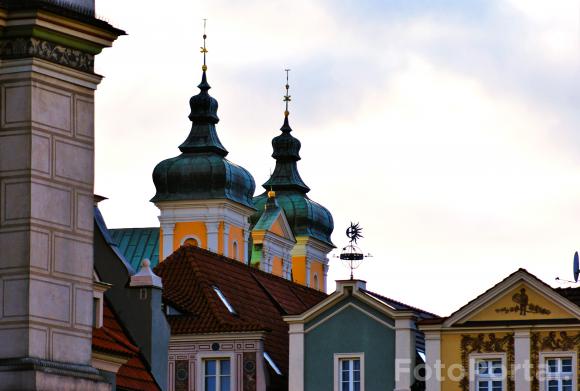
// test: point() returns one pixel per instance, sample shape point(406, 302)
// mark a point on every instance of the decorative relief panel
point(487, 343)
point(249, 371)
point(523, 305)
point(554, 341)
point(182, 375)
point(33, 47)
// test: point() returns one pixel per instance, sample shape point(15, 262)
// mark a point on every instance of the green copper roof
point(306, 217)
point(201, 171)
point(137, 244)
point(271, 212)
point(286, 152)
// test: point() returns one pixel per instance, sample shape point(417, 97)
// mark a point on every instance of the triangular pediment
point(281, 227)
point(521, 297)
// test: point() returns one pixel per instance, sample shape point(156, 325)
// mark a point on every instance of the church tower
point(204, 199)
point(311, 223)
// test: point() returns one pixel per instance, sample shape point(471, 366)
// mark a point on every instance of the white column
point(296, 357)
point(522, 360)
point(404, 353)
point(167, 238)
point(226, 239)
point(246, 234)
point(325, 269)
point(308, 262)
point(212, 236)
point(433, 358)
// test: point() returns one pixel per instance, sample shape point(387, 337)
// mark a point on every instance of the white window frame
point(341, 356)
point(544, 356)
point(475, 357)
point(200, 368)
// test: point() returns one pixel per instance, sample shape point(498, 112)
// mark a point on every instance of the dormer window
point(99, 289)
point(224, 300)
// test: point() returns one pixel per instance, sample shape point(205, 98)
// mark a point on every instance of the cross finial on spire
point(203, 49)
point(287, 97)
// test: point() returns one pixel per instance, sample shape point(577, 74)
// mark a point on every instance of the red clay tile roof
point(112, 339)
point(259, 299)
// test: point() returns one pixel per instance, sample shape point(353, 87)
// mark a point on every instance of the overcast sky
point(449, 129)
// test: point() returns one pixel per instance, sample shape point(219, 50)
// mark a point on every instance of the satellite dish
point(576, 267)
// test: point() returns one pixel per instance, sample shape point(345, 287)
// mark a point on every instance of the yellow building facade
point(521, 335)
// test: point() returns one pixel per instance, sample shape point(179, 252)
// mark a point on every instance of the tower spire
point(286, 152)
point(203, 49)
point(287, 97)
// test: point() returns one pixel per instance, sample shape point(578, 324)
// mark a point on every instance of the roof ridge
point(400, 303)
point(252, 269)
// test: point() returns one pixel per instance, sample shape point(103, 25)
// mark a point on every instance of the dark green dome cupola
point(201, 171)
point(306, 217)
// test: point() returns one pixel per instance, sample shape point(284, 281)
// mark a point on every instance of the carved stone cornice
point(21, 47)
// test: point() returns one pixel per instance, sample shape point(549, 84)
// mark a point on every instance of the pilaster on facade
point(167, 230)
point(226, 239)
point(212, 229)
point(404, 353)
point(246, 235)
point(308, 267)
point(433, 360)
point(523, 359)
point(296, 359)
point(325, 270)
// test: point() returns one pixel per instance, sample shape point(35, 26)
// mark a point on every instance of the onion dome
point(306, 217)
point(202, 172)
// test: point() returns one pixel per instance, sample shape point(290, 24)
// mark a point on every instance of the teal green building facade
point(355, 340)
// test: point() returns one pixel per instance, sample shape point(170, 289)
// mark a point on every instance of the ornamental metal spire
point(287, 97)
point(203, 49)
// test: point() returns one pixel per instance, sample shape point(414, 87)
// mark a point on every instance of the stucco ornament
point(523, 305)
point(34, 47)
point(554, 341)
point(487, 343)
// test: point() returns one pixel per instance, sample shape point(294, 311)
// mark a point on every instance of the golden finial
point(287, 97)
point(271, 194)
point(203, 49)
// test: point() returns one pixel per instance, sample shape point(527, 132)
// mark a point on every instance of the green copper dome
point(201, 171)
point(306, 217)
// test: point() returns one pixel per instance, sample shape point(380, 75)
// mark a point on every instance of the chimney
point(153, 333)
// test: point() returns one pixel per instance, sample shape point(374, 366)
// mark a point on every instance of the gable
point(351, 311)
point(278, 227)
point(521, 302)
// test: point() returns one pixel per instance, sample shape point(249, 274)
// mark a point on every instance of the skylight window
point(272, 364)
point(224, 300)
point(422, 355)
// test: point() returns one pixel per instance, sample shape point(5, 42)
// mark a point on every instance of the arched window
point(190, 241)
point(316, 285)
point(235, 254)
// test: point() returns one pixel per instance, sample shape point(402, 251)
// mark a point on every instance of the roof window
point(272, 364)
point(224, 300)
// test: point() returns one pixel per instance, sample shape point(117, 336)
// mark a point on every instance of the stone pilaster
point(226, 239)
point(167, 229)
point(46, 190)
point(212, 229)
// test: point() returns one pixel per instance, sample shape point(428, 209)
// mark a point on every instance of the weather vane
point(203, 49)
point(354, 232)
point(351, 254)
point(287, 97)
